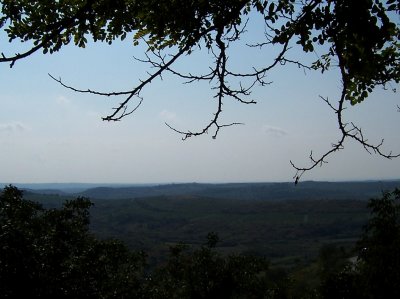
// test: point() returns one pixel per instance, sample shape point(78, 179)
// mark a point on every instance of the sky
point(49, 134)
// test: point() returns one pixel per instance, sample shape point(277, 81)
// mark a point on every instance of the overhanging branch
point(348, 131)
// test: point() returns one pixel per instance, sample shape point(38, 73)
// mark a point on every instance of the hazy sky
point(51, 134)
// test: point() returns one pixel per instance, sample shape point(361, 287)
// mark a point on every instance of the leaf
point(271, 9)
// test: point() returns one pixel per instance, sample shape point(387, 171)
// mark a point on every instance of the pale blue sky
point(50, 134)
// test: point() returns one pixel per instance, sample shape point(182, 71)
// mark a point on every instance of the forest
point(187, 246)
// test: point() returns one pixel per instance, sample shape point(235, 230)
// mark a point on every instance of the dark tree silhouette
point(376, 272)
point(51, 254)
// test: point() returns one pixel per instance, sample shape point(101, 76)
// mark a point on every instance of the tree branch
point(18, 56)
point(90, 91)
point(353, 132)
point(220, 72)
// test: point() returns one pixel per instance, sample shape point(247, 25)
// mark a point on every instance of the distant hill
point(250, 191)
point(246, 191)
point(66, 188)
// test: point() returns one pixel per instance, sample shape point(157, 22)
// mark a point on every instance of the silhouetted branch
point(121, 110)
point(135, 92)
point(219, 72)
point(94, 92)
point(347, 131)
point(18, 56)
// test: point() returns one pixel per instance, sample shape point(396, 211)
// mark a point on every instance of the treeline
point(51, 253)
point(249, 191)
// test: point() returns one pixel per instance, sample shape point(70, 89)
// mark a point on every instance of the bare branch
point(19, 56)
point(261, 73)
point(220, 72)
point(352, 132)
point(189, 77)
point(188, 134)
point(107, 94)
point(119, 112)
point(122, 109)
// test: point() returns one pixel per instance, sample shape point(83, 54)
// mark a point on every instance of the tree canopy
point(47, 253)
point(50, 253)
point(377, 270)
point(359, 39)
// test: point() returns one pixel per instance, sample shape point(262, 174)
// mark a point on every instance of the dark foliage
point(376, 273)
point(51, 254)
